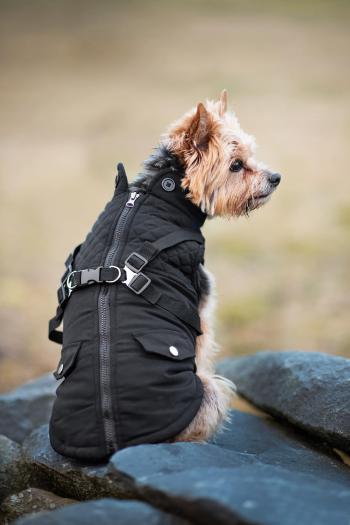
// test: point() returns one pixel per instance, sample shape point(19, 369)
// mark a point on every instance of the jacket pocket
point(68, 357)
point(167, 343)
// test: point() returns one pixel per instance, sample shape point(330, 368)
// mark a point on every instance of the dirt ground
point(85, 85)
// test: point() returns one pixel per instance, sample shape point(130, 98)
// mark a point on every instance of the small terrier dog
point(224, 179)
point(105, 355)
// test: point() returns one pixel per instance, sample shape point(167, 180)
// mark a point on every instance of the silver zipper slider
point(132, 199)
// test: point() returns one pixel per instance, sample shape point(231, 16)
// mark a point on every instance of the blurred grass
point(86, 84)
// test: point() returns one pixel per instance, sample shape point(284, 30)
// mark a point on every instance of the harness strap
point(100, 275)
point(139, 284)
point(181, 310)
point(136, 261)
point(62, 295)
point(55, 335)
point(71, 257)
point(131, 276)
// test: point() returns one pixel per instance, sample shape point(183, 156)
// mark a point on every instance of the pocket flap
point(168, 343)
point(68, 357)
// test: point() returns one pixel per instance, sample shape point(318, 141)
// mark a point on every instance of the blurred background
point(87, 84)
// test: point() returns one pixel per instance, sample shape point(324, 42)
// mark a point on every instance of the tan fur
point(208, 139)
point(218, 391)
point(223, 103)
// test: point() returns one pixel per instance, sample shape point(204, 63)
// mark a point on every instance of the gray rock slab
point(13, 474)
point(27, 407)
point(69, 478)
point(310, 390)
point(104, 512)
point(255, 471)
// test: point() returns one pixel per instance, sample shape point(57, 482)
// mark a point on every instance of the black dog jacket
point(129, 298)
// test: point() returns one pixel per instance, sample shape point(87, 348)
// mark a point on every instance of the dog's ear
point(199, 130)
point(223, 102)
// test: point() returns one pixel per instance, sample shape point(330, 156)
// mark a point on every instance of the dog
point(138, 350)
point(224, 179)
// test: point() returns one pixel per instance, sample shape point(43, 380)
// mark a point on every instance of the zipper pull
point(132, 199)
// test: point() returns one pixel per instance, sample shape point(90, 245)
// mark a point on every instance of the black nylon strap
point(62, 294)
point(71, 257)
point(149, 250)
point(101, 275)
point(55, 335)
point(181, 310)
point(153, 295)
point(135, 261)
point(187, 314)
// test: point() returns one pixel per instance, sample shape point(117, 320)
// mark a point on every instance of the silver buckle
point(131, 276)
point(129, 265)
point(118, 276)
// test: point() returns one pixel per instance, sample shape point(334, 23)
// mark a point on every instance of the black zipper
point(104, 329)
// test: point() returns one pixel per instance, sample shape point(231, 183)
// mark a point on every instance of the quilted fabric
point(131, 376)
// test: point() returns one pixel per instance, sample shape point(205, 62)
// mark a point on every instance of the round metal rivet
point(173, 350)
point(60, 368)
point(168, 184)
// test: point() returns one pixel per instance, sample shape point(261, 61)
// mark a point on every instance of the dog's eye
point(237, 165)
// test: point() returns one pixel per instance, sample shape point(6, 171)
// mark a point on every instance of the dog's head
point(222, 175)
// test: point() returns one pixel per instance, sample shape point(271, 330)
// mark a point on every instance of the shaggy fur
point(208, 145)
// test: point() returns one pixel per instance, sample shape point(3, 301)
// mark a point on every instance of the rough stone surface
point(69, 478)
point(310, 390)
point(255, 472)
point(104, 512)
point(30, 501)
point(13, 475)
point(27, 407)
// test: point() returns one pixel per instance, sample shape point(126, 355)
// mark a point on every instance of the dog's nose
point(274, 179)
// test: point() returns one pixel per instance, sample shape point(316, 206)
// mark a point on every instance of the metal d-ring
point(118, 276)
point(69, 284)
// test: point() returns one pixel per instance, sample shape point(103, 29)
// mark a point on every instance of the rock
point(256, 471)
point(13, 475)
point(27, 407)
point(310, 390)
point(29, 501)
point(104, 512)
point(69, 478)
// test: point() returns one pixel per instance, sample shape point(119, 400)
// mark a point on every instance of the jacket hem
point(86, 454)
point(176, 427)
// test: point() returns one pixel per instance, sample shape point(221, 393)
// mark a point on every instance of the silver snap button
point(60, 368)
point(173, 350)
point(168, 184)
